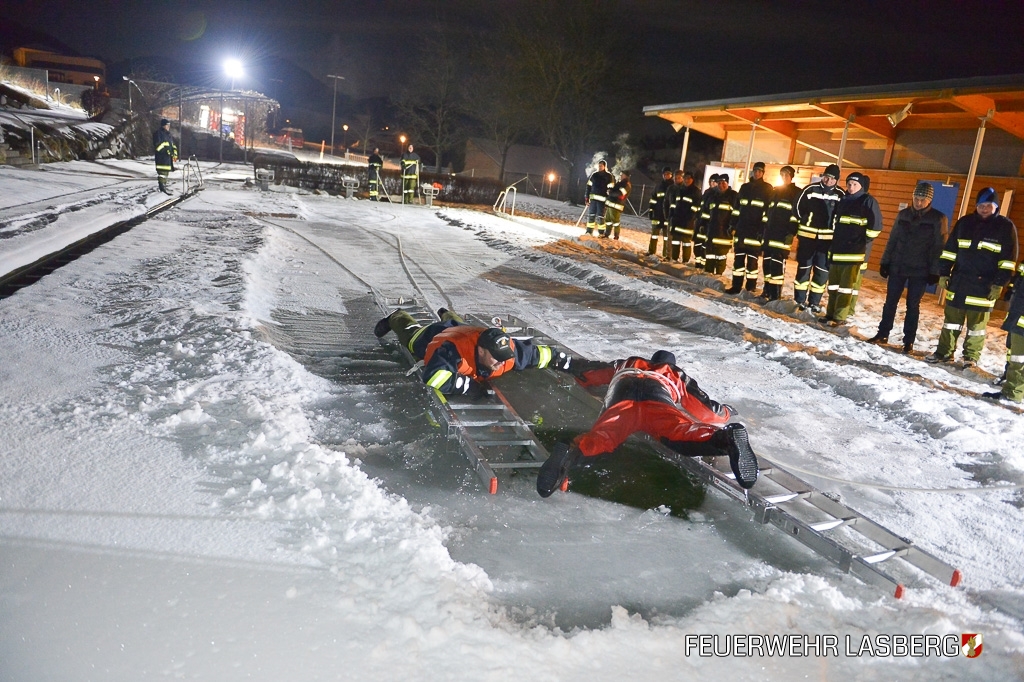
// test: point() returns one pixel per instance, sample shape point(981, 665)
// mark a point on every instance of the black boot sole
point(555, 469)
point(742, 458)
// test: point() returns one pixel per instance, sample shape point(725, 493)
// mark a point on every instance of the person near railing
point(166, 153)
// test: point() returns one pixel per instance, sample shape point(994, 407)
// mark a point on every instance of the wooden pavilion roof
point(874, 111)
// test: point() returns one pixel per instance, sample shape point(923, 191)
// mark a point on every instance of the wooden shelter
point(967, 133)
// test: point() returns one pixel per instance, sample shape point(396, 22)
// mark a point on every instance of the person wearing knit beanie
point(911, 263)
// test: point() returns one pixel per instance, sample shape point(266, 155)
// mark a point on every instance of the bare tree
point(497, 98)
point(431, 106)
point(565, 58)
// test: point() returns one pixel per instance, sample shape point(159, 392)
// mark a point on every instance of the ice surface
point(211, 470)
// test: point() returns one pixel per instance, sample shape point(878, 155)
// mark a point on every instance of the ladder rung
point(882, 556)
point(787, 497)
point(525, 464)
point(829, 525)
point(485, 443)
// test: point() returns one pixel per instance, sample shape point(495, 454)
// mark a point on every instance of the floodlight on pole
point(334, 106)
point(233, 68)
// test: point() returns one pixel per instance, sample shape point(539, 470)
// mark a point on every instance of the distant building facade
point(61, 68)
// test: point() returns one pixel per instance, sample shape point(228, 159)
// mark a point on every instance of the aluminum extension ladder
point(844, 536)
point(489, 432)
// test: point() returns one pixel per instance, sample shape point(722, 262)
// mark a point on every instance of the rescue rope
point(880, 486)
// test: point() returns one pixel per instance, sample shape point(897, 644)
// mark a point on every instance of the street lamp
point(130, 84)
point(344, 142)
point(551, 182)
point(334, 107)
point(401, 139)
point(233, 68)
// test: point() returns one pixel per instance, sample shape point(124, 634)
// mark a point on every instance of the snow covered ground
point(211, 470)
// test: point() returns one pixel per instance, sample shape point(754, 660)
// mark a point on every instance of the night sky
point(677, 50)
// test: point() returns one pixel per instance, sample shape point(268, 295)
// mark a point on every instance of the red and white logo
point(971, 644)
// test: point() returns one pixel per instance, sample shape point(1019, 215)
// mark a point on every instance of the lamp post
point(334, 107)
point(130, 84)
point(551, 182)
point(344, 139)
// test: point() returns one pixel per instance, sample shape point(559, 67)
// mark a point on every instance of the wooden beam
point(981, 105)
point(784, 128)
point(887, 159)
point(843, 113)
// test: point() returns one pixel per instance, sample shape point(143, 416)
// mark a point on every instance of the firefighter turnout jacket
point(747, 223)
point(659, 203)
point(780, 223)
point(164, 149)
point(979, 255)
point(617, 194)
point(814, 211)
point(1014, 322)
point(450, 357)
point(717, 216)
point(856, 222)
point(598, 185)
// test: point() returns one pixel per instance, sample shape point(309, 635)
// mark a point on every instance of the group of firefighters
point(649, 395)
point(971, 265)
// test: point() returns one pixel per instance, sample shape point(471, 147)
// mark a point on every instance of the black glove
point(883, 271)
point(933, 279)
point(468, 388)
point(562, 362)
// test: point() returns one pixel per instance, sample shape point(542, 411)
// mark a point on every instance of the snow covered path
point(212, 471)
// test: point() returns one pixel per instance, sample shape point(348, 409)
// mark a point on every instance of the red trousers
point(626, 417)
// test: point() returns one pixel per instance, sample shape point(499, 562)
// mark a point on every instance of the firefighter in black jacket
point(1013, 386)
point(814, 211)
point(615, 203)
point(722, 208)
point(911, 262)
point(856, 222)
point(700, 231)
point(684, 209)
point(977, 262)
point(598, 184)
point(779, 229)
point(748, 230)
point(166, 154)
point(659, 209)
point(410, 164)
point(374, 165)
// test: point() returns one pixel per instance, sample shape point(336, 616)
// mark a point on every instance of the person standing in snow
point(779, 229)
point(658, 398)
point(410, 163)
point(977, 262)
point(615, 203)
point(684, 206)
point(659, 210)
point(715, 225)
point(700, 232)
point(1013, 377)
point(855, 224)
point(374, 165)
point(598, 184)
point(911, 262)
point(748, 230)
point(458, 357)
point(813, 211)
point(166, 153)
